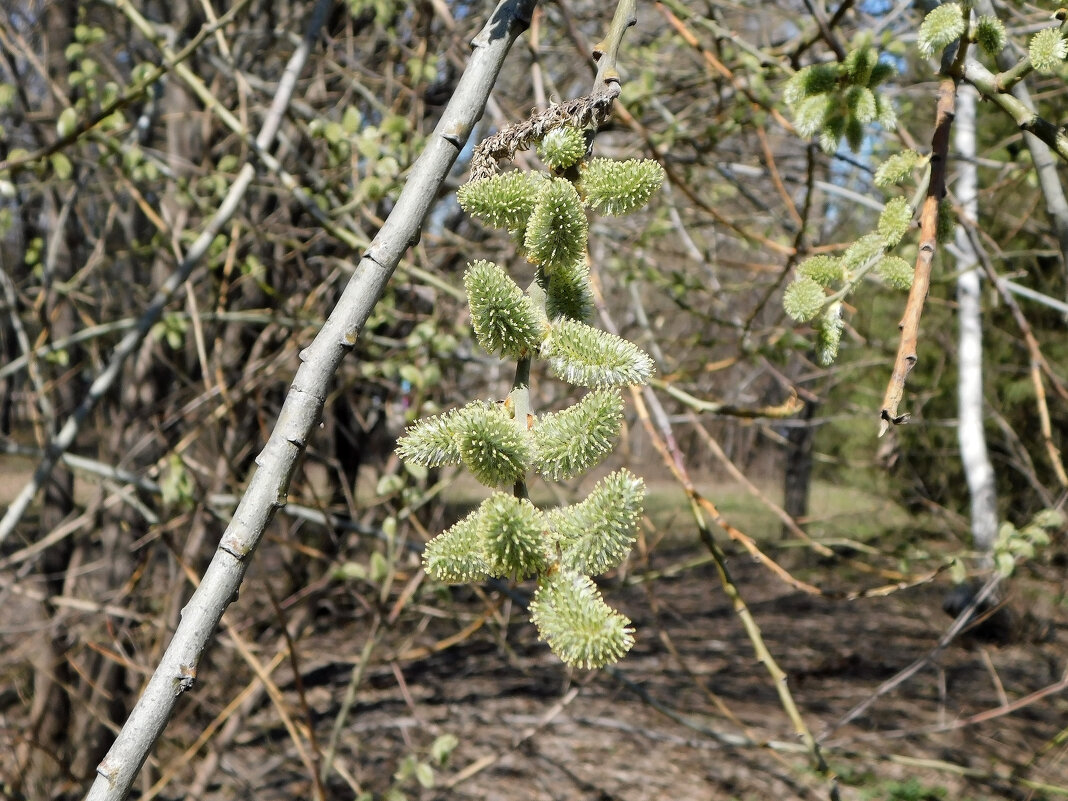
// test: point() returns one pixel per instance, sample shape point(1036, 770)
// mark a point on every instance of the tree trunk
point(977, 468)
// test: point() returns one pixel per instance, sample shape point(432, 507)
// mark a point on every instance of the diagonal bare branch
point(277, 462)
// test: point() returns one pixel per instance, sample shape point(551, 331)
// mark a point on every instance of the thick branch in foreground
point(303, 405)
point(921, 281)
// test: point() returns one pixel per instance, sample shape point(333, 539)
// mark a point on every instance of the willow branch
point(267, 488)
point(921, 281)
point(1025, 117)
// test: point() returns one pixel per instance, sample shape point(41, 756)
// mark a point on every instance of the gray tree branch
point(277, 462)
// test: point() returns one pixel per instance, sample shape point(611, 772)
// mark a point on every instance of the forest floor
point(690, 715)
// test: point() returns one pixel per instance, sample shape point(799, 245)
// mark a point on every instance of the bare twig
point(132, 340)
point(277, 462)
point(921, 281)
point(963, 621)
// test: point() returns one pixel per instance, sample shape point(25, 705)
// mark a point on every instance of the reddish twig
point(921, 281)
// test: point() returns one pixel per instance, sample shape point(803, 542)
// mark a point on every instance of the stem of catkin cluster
point(519, 398)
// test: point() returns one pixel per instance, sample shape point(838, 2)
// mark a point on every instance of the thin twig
point(921, 280)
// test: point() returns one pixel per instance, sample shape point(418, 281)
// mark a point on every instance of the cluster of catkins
point(507, 536)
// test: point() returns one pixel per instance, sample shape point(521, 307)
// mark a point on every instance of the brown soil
point(689, 715)
point(657, 726)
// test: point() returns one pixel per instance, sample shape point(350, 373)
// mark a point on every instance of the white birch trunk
point(973, 453)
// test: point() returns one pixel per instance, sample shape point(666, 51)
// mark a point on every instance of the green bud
point(503, 201)
point(817, 79)
point(829, 334)
point(557, 230)
point(567, 291)
point(513, 533)
point(620, 187)
point(943, 25)
point(432, 441)
point(861, 103)
point(504, 319)
point(824, 270)
point(597, 533)
point(67, 122)
point(1047, 50)
point(588, 357)
point(492, 446)
point(456, 555)
point(562, 147)
point(898, 167)
point(895, 271)
point(860, 252)
point(895, 220)
point(812, 113)
point(579, 626)
point(990, 34)
point(803, 299)
point(859, 64)
point(571, 441)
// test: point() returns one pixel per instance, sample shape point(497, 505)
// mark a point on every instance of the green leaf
point(378, 569)
point(943, 25)
point(1047, 50)
point(424, 774)
point(557, 231)
point(513, 533)
point(620, 187)
point(1004, 563)
point(582, 355)
point(803, 299)
point(572, 441)
point(1049, 518)
point(579, 626)
point(389, 484)
point(504, 319)
point(597, 533)
point(442, 747)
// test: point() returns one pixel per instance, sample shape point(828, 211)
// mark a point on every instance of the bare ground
point(690, 714)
